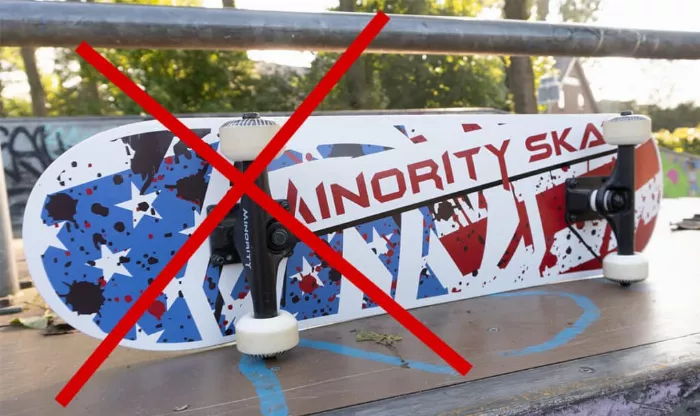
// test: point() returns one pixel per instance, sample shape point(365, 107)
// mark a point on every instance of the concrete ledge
point(659, 378)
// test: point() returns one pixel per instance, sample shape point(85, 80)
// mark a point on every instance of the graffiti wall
point(681, 174)
point(30, 145)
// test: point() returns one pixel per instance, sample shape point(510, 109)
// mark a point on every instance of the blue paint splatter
point(373, 356)
point(267, 386)
point(590, 314)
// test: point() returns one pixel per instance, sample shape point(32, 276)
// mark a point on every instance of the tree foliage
point(402, 81)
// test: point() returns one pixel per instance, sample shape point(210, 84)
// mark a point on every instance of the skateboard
point(431, 208)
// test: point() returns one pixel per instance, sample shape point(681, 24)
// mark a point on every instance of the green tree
point(36, 88)
point(186, 81)
point(521, 77)
point(398, 81)
point(12, 61)
point(523, 71)
point(579, 11)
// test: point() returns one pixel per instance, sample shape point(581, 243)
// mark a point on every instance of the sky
point(660, 82)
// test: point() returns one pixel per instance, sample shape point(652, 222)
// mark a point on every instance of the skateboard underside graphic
point(432, 208)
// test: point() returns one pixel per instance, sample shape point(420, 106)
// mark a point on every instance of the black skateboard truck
point(252, 237)
point(613, 198)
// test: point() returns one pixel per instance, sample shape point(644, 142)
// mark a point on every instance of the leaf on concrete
point(33, 322)
point(383, 339)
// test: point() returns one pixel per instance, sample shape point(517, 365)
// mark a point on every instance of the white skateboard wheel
point(267, 337)
point(243, 139)
point(627, 129)
point(625, 269)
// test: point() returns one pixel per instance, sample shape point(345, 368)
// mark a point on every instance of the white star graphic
point(109, 263)
point(198, 218)
point(172, 290)
point(140, 205)
point(307, 270)
point(52, 239)
point(378, 243)
point(143, 337)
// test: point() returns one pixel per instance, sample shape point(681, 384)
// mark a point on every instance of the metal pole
point(9, 284)
point(64, 24)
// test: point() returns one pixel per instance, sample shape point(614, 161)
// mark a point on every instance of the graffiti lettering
point(30, 146)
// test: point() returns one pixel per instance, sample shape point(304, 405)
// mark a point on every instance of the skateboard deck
point(432, 208)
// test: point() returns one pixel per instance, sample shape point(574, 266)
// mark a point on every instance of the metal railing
point(27, 23)
point(61, 24)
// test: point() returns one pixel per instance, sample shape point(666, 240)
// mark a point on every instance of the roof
point(563, 64)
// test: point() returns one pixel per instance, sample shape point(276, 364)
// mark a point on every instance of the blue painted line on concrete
point(267, 386)
point(590, 314)
point(271, 395)
point(374, 356)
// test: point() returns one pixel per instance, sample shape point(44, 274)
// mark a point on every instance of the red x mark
point(244, 184)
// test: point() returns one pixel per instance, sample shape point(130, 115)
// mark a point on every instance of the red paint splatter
point(241, 295)
point(470, 127)
point(522, 232)
point(466, 246)
point(230, 307)
point(116, 299)
point(308, 283)
point(150, 236)
point(127, 298)
point(87, 224)
point(169, 160)
point(157, 309)
point(67, 253)
point(102, 282)
point(88, 191)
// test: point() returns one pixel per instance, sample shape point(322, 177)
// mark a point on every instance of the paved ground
point(501, 335)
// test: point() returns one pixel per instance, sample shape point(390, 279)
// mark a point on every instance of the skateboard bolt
point(279, 237)
point(218, 259)
point(617, 201)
